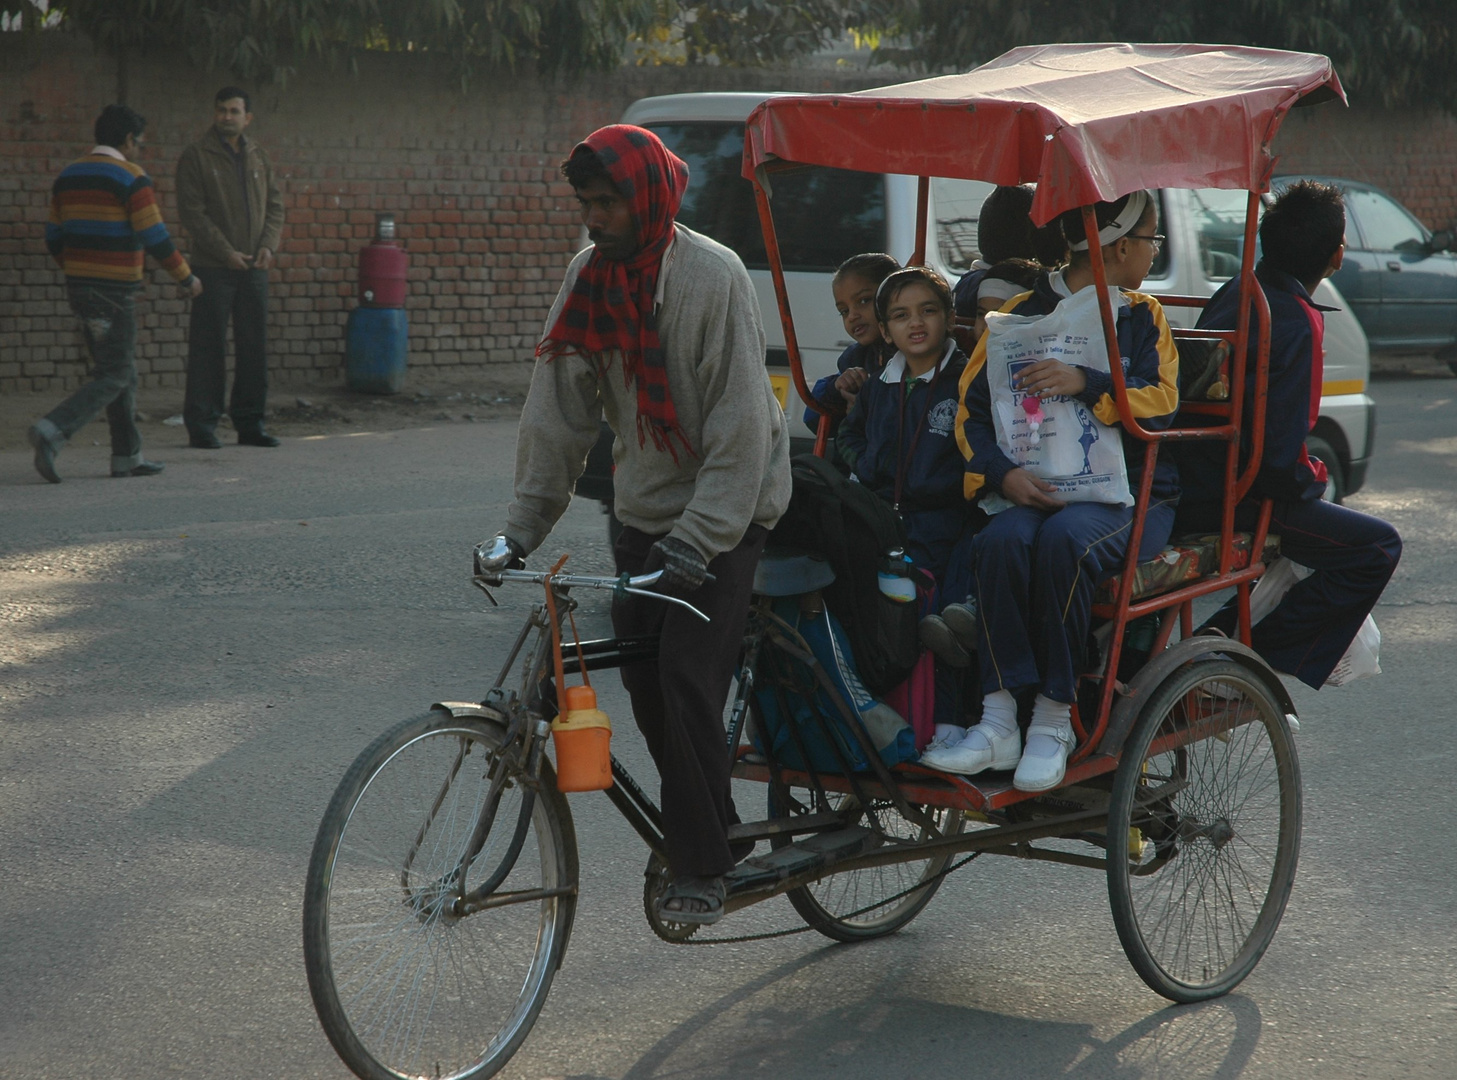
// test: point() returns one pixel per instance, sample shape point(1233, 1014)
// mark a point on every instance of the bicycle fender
point(460, 709)
point(1129, 703)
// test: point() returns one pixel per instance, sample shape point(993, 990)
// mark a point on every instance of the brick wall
point(471, 178)
point(486, 221)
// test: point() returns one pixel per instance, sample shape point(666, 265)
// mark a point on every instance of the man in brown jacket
point(229, 202)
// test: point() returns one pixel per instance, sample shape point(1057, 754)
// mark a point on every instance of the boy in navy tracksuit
point(1038, 562)
point(1353, 554)
point(899, 439)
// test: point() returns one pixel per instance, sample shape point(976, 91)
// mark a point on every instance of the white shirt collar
point(1059, 286)
point(895, 367)
point(109, 151)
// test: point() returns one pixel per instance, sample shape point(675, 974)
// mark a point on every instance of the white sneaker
point(983, 748)
point(1038, 773)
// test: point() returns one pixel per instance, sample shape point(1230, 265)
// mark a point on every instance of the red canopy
point(1085, 122)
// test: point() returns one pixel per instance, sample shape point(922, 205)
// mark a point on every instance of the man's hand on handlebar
point(684, 569)
point(497, 554)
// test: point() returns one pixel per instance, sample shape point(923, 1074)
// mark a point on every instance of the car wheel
point(1335, 484)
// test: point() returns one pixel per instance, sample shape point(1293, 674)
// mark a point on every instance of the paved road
point(190, 661)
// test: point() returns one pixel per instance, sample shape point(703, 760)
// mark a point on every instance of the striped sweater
point(104, 215)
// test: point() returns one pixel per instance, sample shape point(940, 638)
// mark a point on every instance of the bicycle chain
point(695, 940)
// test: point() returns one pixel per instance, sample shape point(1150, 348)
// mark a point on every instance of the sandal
point(708, 892)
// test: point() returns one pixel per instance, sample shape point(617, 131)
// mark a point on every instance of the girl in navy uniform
point(899, 439)
point(1037, 563)
point(853, 287)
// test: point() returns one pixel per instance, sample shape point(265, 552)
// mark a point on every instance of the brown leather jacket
point(210, 201)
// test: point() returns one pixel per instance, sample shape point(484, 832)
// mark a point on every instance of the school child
point(853, 288)
point(1037, 564)
point(1302, 240)
point(950, 641)
point(1004, 231)
point(899, 439)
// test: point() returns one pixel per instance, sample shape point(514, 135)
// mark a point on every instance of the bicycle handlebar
point(619, 585)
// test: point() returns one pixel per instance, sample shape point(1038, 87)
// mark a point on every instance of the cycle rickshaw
point(443, 882)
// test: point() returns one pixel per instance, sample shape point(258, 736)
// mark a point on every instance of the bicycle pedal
point(759, 871)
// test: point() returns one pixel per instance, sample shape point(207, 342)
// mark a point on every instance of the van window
point(1219, 223)
point(821, 216)
point(957, 206)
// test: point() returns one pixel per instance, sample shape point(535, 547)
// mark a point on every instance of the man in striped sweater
point(104, 217)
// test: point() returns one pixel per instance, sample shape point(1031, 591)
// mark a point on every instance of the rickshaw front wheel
point(1203, 830)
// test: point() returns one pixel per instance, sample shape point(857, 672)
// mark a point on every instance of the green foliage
point(746, 32)
point(1394, 52)
point(270, 39)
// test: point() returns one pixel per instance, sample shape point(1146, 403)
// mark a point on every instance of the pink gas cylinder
point(382, 267)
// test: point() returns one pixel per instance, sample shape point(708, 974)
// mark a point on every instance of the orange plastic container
point(582, 735)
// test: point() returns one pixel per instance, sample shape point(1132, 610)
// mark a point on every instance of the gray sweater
point(714, 341)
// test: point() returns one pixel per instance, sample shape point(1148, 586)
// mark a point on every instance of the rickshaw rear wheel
point(1203, 830)
point(860, 905)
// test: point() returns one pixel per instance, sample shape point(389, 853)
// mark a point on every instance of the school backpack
point(853, 528)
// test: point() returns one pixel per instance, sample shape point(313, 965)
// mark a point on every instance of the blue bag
point(797, 711)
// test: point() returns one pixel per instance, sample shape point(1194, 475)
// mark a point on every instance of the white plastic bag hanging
point(1063, 443)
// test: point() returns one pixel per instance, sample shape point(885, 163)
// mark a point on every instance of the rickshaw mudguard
point(1130, 702)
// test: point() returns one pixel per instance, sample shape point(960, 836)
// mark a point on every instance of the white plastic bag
point(1360, 660)
point(1072, 449)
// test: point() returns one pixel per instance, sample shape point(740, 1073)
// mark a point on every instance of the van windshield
point(821, 216)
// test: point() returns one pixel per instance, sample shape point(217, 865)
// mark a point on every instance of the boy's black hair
point(584, 167)
point(1004, 227)
point(1104, 212)
point(874, 266)
point(1023, 272)
point(891, 287)
point(1304, 229)
point(116, 122)
point(227, 93)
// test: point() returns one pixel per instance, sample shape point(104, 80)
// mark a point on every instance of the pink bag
point(915, 700)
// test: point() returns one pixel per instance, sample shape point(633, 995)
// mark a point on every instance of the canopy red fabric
point(1085, 122)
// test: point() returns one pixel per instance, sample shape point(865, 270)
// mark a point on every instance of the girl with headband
point(1036, 565)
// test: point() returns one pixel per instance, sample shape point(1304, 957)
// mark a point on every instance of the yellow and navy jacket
point(1150, 373)
point(1296, 372)
point(905, 428)
point(104, 216)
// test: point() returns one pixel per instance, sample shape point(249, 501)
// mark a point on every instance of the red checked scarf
point(610, 308)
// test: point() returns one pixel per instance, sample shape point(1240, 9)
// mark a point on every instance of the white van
point(823, 216)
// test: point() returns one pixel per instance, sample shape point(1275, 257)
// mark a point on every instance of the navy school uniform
point(901, 433)
point(870, 357)
point(1353, 554)
point(1034, 572)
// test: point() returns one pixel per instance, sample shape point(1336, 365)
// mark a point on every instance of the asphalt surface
point(190, 662)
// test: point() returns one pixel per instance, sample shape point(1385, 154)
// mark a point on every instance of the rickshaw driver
point(702, 468)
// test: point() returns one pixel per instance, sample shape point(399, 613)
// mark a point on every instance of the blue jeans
point(1034, 575)
point(108, 318)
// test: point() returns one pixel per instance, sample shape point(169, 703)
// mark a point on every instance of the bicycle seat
point(790, 573)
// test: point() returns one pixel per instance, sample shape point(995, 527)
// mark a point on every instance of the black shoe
point(256, 438)
point(203, 440)
point(45, 454)
point(141, 468)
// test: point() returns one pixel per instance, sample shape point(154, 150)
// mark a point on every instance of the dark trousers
point(107, 314)
point(242, 296)
point(678, 699)
point(1353, 556)
point(1034, 575)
